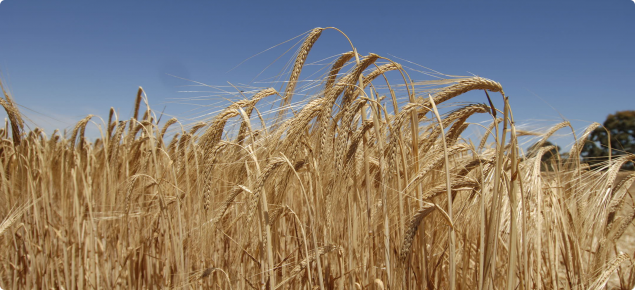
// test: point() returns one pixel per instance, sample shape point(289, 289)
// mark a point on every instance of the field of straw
point(354, 189)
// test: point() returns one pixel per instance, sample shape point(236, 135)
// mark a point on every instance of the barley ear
point(600, 282)
point(406, 245)
point(80, 126)
point(17, 124)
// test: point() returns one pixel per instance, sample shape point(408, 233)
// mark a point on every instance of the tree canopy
point(619, 129)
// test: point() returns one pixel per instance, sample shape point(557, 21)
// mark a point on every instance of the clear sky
point(63, 60)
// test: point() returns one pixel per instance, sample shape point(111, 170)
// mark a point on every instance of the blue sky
point(63, 60)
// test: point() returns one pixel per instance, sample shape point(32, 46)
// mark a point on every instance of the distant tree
point(620, 128)
point(549, 158)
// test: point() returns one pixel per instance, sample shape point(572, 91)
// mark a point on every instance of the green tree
point(619, 128)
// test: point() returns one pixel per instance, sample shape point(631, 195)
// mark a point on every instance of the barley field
point(365, 185)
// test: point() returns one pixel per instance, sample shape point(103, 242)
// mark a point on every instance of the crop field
point(364, 185)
